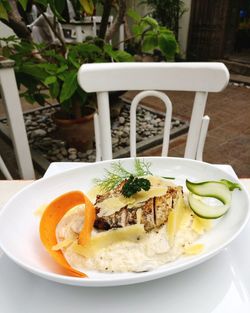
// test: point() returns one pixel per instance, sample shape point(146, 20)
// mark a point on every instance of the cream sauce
point(126, 256)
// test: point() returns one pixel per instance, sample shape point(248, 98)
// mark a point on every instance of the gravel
point(40, 128)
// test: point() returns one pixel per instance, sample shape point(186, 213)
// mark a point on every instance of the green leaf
point(108, 48)
point(149, 43)
point(73, 62)
point(54, 89)
point(82, 94)
point(29, 98)
point(48, 67)
point(168, 45)
point(123, 56)
point(35, 71)
point(118, 55)
point(26, 80)
point(164, 30)
point(3, 12)
point(50, 80)
point(43, 2)
point(134, 15)
point(62, 76)
point(59, 5)
point(23, 3)
point(69, 86)
point(62, 69)
point(137, 30)
point(87, 50)
point(40, 98)
point(150, 21)
point(88, 6)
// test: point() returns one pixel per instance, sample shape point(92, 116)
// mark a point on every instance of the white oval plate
point(19, 227)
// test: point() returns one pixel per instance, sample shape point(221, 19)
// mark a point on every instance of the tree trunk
point(118, 20)
point(16, 22)
point(105, 18)
point(127, 31)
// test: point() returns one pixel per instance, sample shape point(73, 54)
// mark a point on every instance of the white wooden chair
point(13, 109)
point(149, 78)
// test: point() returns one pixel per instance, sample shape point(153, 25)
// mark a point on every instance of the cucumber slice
point(213, 189)
point(231, 186)
point(204, 210)
point(220, 190)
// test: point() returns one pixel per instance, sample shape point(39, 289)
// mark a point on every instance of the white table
point(221, 284)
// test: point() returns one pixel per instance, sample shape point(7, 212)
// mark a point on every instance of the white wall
point(5, 31)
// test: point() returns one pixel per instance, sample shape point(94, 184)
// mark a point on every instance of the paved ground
point(228, 138)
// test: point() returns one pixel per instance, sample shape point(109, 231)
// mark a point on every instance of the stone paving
point(228, 139)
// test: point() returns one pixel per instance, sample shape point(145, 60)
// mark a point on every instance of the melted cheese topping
point(108, 238)
point(201, 225)
point(114, 203)
point(63, 244)
point(40, 210)
point(194, 249)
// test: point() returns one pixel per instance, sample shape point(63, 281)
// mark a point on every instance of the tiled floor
point(228, 139)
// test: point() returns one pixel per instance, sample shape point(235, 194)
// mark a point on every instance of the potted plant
point(48, 70)
point(48, 73)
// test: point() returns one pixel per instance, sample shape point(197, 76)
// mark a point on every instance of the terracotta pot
point(78, 133)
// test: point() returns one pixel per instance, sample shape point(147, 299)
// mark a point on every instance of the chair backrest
point(198, 77)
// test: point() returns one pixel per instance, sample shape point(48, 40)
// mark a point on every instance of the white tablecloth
point(221, 284)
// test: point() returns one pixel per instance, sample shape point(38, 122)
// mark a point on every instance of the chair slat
point(167, 125)
point(207, 77)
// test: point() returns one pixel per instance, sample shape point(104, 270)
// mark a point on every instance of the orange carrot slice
point(52, 216)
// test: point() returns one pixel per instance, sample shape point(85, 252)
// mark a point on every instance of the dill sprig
point(142, 168)
point(118, 173)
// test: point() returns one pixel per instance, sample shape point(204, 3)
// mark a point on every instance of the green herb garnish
point(134, 185)
point(118, 173)
point(142, 168)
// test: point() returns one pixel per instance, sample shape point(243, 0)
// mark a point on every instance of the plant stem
point(105, 18)
point(16, 22)
point(118, 20)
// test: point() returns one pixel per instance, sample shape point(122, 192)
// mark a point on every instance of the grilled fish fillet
point(151, 213)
